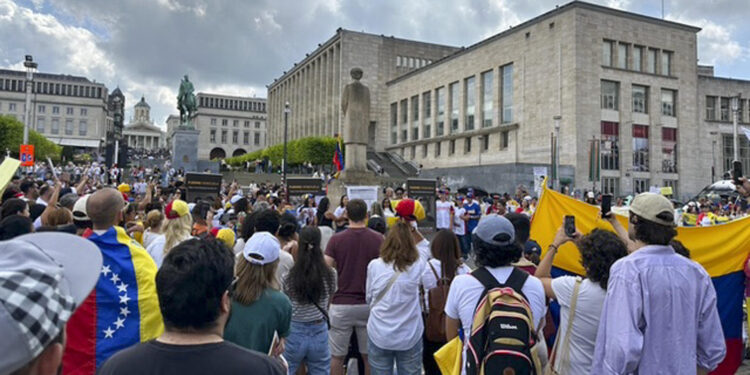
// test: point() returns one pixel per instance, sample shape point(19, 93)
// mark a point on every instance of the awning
point(76, 142)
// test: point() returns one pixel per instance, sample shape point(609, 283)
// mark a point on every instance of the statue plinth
point(185, 149)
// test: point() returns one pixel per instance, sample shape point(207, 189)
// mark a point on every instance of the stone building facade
point(68, 110)
point(141, 133)
point(229, 125)
point(313, 86)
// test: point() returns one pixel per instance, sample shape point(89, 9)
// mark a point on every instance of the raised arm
point(544, 269)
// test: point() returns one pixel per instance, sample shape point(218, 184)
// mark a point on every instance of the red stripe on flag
point(733, 360)
point(80, 350)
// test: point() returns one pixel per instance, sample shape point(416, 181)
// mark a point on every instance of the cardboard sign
point(26, 155)
point(424, 190)
point(7, 170)
point(201, 186)
point(304, 185)
point(369, 194)
point(667, 190)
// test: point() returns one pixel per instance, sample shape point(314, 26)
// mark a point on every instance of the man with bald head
point(123, 309)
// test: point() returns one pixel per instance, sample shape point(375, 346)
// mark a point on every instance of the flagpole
point(286, 135)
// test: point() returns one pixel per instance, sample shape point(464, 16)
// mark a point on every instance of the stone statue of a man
point(355, 105)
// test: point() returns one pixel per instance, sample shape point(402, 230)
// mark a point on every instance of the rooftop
point(48, 76)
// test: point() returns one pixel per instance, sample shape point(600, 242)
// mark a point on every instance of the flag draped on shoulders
point(122, 310)
point(720, 249)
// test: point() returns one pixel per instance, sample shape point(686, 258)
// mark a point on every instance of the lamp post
point(713, 156)
point(286, 135)
point(557, 151)
point(30, 67)
point(735, 140)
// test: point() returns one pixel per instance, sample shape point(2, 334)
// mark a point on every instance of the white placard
point(539, 174)
point(369, 194)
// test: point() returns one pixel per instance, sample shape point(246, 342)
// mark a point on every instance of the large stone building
point(313, 86)
point(229, 125)
point(68, 110)
point(484, 115)
point(141, 133)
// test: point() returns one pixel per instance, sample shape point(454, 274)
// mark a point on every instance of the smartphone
point(737, 172)
point(606, 205)
point(570, 226)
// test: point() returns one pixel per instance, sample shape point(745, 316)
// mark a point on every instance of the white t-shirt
point(424, 250)
point(156, 249)
point(339, 211)
point(286, 262)
point(585, 323)
point(395, 322)
point(149, 237)
point(443, 214)
point(428, 277)
point(464, 296)
point(459, 225)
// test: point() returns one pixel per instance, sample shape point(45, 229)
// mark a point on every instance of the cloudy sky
point(238, 47)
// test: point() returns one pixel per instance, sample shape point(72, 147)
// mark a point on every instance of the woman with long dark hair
point(309, 285)
point(323, 218)
point(341, 218)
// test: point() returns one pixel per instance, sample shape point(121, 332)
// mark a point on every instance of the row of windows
point(611, 185)
point(636, 57)
point(50, 88)
point(411, 62)
point(483, 140)
point(400, 111)
point(235, 123)
point(610, 148)
point(232, 104)
point(610, 98)
point(68, 129)
point(235, 137)
point(725, 109)
point(41, 108)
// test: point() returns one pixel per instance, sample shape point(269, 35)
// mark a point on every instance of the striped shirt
point(308, 312)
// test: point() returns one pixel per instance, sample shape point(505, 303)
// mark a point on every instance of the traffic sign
point(27, 155)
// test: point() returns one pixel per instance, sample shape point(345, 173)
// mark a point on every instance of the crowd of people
point(247, 280)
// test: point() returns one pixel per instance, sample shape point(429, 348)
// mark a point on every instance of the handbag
point(562, 353)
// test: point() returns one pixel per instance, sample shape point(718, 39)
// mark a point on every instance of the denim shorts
point(308, 342)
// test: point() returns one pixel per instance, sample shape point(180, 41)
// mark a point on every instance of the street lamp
point(735, 107)
point(557, 151)
point(286, 135)
point(30, 67)
point(713, 156)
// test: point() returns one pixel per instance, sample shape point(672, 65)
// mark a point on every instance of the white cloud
point(715, 42)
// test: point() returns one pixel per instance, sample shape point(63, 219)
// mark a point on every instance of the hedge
point(11, 137)
point(316, 150)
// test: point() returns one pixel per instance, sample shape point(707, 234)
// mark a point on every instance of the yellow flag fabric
point(448, 357)
point(720, 249)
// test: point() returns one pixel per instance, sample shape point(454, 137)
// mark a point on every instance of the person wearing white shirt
point(443, 211)
point(495, 250)
point(395, 327)
point(459, 227)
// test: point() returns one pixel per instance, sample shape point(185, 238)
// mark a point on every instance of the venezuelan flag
point(720, 249)
point(122, 310)
point(338, 156)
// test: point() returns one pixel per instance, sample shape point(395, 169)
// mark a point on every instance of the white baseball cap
point(262, 248)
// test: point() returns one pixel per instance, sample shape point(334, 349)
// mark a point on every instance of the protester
point(309, 285)
point(323, 218)
point(287, 235)
point(522, 227)
point(674, 295)
point(446, 263)
point(15, 225)
point(459, 228)
point(269, 221)
point(260, 312)
point(126, 319)
point(394, 327)
point(495, 250)
point(377, 224)
point(412, 212)
point(153, 224)
point(177, 229)
point(81, 218)
point(194, 288)
point(226, 236)
point(575, 339)
point(14, 206)
point(443, 212)
point(350, 252)
point(44, 278)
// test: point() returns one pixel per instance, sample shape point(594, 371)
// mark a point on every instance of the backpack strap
point(516, 280)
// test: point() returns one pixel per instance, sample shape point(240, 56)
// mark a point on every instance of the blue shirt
point(474, 212)
point(659, 317)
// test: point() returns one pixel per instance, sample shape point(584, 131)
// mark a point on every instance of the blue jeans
point(408, 362)
point(465, 242)
point(308, 342)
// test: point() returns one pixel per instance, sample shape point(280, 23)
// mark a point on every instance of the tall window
point(740, 110)
point(724, 109)
point(224, 122)
point(427, 115)
point(710, 108)
point(669, 150)
point(467, 145)
point(413, 152)
point(55, 110)
point(256, 139)
point(223, 136)
point(404, 120)
point(213, 122)
point(610, 91)
point(453, 92)
point(84, 112)
point(637, 58)
point(485, 142)
point(744, 153)
point(504, 140)
point(437, 149)
point(607, 53)
point(611, 185)
point(640, 99)
point(235, 123)
point(651, 61)
point(622, 56)
point(68, 126)
point(424, 151)
point(55, 126)
point(40, 125)
point(246, 138)
point(641, 185)
point(69, 111)
point(235, 136)
point(668, 101)
point(212, 137)
point(666, 63)
point(415, 117)
point(394, 123)
point(487, 99)
point(452, 147)
point(640, 148)
point(41, 108)
point(440, 124)
point(469, 102)
point(246, 124)
point(610, 146)
point(507, 93)
point(83, 127)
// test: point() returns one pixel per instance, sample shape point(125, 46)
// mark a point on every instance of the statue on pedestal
point(186, 103)
point(355, 105)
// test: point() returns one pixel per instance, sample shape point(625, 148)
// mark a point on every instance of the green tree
point(316, 150)
point(11, 137)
